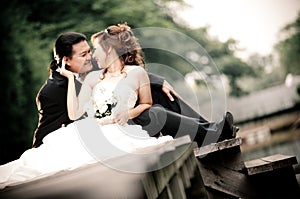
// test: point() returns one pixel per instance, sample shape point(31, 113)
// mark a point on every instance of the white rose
point(103, 108)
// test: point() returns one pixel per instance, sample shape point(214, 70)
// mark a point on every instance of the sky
point(254, 23)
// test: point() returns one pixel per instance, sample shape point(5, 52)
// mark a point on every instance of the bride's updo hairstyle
point(122, 39)
point(64, 47)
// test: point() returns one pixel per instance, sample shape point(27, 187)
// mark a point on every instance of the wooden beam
point(214, 147)
point(269, 163)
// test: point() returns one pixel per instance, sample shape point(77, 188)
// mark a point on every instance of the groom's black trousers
point(175, 118)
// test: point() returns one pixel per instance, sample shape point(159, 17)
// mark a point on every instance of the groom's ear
point(66, 60)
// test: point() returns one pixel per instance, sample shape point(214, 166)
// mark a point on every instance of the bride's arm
point(144, 94)
point(75, 104)
point(139, 81)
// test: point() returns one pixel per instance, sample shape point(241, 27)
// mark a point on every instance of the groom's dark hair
point(63, 47)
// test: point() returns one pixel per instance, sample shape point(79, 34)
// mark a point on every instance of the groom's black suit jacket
point(51, 102)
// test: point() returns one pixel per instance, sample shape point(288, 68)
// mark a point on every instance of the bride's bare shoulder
point(135, 68)
point(93, 74)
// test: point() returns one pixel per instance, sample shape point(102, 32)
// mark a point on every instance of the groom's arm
point(156, 80)
point(162, 93)
point(159, 83)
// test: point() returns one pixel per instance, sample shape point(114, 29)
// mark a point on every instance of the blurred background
point(254, 44)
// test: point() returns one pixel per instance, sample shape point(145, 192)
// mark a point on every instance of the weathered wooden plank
point(170, 163)
point(168, 170)
point(184, 173)
point(191, 166)
point(214, 147)
point(257, 166)
point(298, 179)
point(279, 161)
point(163, 176)
point(150, 186)
point(269, 163)
point(227, 154)
point(226, 181)
point(176, 188)
point(222, 170)
point(278, 183)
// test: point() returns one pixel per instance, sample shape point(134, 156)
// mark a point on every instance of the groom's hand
point(169, 91)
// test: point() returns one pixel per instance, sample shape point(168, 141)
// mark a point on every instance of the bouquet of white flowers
point(100, 107)
point(104, 109)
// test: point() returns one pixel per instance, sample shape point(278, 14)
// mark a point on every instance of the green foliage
point(17, 99)
point(289, 48)
point(235, 69)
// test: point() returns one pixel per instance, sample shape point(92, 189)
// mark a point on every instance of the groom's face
point(80, 62)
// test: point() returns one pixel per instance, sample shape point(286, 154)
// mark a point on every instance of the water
point(285, 148)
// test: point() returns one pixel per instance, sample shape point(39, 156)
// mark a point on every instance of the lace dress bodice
point(119, 97)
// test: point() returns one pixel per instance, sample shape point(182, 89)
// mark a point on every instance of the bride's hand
point(106, 120)
point(64, 72)
point(121, 118)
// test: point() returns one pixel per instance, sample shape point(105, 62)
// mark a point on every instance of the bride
point(110, 97)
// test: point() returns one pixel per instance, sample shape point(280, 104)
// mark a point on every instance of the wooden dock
point(178, 170)
point(165, 171)
point(226, 175)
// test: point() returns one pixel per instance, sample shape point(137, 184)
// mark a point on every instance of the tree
point(236, 69)
point(17, 100)
point(289, 48)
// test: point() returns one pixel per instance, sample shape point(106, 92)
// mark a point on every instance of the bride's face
point(104, 58)
point(100, 56)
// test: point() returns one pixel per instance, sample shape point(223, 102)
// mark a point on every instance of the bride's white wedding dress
point(84, 141)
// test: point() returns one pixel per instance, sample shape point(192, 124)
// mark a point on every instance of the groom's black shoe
point(229, 130)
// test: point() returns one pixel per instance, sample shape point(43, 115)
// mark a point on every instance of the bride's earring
point(102, 73)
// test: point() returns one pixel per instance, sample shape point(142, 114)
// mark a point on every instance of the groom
point(51, 99)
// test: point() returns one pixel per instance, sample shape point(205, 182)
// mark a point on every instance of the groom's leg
point(148, 123)
point(178, 105)
point(187, 110)
point(157, 119)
